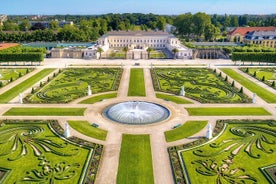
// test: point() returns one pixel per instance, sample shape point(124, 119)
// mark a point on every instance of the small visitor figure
point(20, 100)
point(182, 91)
point(89, 91)
point(254, 98)
point(209, 134)
point(66, 130)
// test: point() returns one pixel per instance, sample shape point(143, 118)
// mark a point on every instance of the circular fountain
point(136, 112)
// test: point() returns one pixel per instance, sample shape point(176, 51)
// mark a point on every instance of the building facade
point(73, 52)
point(138, 42)
point(264, 38)
point(238, 34)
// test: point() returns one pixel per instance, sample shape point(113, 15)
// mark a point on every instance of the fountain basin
point(136, 112)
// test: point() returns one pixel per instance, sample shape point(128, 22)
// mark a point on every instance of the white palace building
point(138, 42)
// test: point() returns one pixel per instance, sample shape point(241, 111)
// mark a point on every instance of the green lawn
point(173, 98)
point(135, 164)
point(261, 92)
point(13, 92)
point(98, 98)
point(6, 74)
point(26, 111)
point(136, 83)
point(227, 111)
point(87, 129)
point(186, 130)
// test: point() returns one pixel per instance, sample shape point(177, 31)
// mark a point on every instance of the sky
point(163, 7)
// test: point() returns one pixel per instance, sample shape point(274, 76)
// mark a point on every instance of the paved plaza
point(110, 160)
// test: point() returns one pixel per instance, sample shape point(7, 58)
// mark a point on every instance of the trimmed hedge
point(28, 57)
point(254, 57)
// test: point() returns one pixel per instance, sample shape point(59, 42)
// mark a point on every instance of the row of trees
point(199, 26)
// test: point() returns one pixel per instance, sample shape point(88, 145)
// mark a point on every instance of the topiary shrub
point(263, 78)
point(241, 90)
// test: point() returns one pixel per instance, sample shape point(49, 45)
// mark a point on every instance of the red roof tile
point(244, 30)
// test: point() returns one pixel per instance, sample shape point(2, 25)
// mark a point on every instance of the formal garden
point(34, 151)
point(70, 84)
point(266, 75)
point(8, 75)
point(265, 94)
point(242, 151)
point(201, 84)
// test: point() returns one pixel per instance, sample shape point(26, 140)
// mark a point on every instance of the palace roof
point(244, 30)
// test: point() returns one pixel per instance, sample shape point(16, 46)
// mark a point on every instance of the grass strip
point(186, 130)
point(87, 129)
point(13, 92)
point(135, 164)
point(136, 83)
point(36, 111)
point(227, 111)
point(260, 91)
point(98, 98)
point(172, 98)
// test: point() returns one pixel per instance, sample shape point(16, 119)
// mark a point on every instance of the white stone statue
point(20, 98)
point(67, 130)
point(209, 134)
point(254, 98)
point(89, 91)
point(182, 91)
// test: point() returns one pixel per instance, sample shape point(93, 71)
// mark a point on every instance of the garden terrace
point(235, 156)
point(261, 92)
point(200, 84)
point(30, 147)
point(266, 75)
point(71, 84)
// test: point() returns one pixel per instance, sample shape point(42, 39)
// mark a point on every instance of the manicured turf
point(6, 74)
point(227, 111)
point(173, 98)
point(135, 165)
point(261, 92)
point(136, 83)
point(13, 92)
point(25, 111)
point(98, 98)
point(87, 129)
point(186, 130)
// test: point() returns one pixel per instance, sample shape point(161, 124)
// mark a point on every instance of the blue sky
point(46, 7)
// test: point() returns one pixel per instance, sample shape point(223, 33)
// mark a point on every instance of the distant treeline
point(90, 27)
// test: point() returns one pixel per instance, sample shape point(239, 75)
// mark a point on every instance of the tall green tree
point(200, 21)
point(53, 25)
point(25, 25)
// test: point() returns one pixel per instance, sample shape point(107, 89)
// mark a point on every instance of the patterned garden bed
point(71, 84)
point(232, 157)
point(200, 84)
point(47, 157)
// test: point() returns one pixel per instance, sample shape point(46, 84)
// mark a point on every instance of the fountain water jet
point(136, 113)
